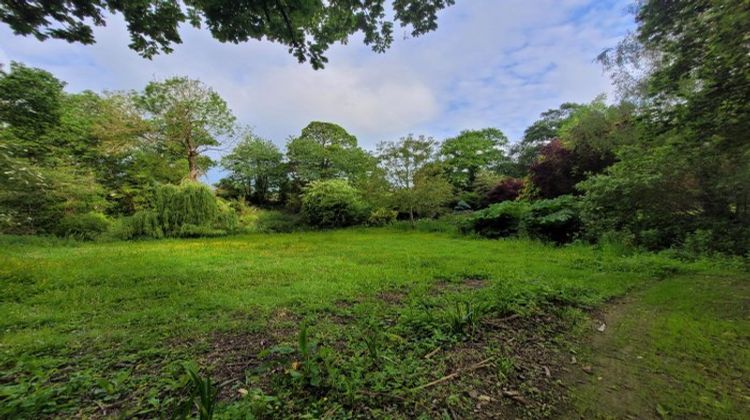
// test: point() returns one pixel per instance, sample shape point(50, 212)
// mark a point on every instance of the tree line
point(666, 166)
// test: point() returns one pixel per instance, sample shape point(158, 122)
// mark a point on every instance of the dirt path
point(679, 349)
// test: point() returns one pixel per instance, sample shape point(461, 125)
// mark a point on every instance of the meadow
point(368, 322)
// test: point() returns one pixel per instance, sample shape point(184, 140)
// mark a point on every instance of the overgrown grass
point(105, 328)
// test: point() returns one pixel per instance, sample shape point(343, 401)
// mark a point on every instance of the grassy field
point(372, 322)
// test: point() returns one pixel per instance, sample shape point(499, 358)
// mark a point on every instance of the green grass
point(101, 328)
point(678, 349)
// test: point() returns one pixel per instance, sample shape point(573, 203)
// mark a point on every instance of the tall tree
point(539, 133)
point(471, 151)
point(255, 167)
point(188, 117)
point(691, 67)
point(131, 158)
point(29, 107)
point(402, 159)
point(327, 151)
point(419, 188)
point(307, 27)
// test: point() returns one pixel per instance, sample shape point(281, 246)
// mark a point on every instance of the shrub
point(381, 217)
point(468, 200)
point(332, 203)
point(87, 226)
point(499, 220)
point(142, 224)
point(188, 210)
point(271, 221)
point(556, 220)
point(450, 223)
point(717, 237)
point(552, 170)
point(191, 203)
point(227, 219)
point(506, 190)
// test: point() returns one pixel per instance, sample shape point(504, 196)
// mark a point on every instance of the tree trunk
point(193, 165)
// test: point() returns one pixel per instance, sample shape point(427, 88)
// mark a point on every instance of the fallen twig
point(515, 395)
point(476, 366)
point(432, 353)
point(227, 382)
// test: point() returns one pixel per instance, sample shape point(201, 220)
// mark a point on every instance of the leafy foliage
point(255, 169)
point(30, 105)
point(499, 220)
point(402, 159)
point(541, 132)
point(308, 28)
point(381, 217)
point(557, 220)
point(332, 203)
point(204, 393)
point(326, 151)
point(428, 197)
point(187, 210)
point(552, 172)
point(187, 117)
point(686, 65)
point(419, 187)
point(506, 190)
point(471, 151)
point(87, 226)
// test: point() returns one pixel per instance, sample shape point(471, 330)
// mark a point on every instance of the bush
point(719, 237)
point(142, 224)
point(188, 210)
point(191, 203)
point(551, 173)
point(499, 220)
point(332, 203)
point(506, 190)
point(381, 217)
point(554, 220)
point(227, 219)
point(557, 220)
point(86, 227)
point(271, 221)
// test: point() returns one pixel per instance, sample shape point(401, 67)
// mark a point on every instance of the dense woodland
point(665, 167)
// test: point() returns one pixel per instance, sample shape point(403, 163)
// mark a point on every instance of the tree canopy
point(307, 27)
point(188, 117)
point(470, 152)
point(325, 150)
point(255, 167)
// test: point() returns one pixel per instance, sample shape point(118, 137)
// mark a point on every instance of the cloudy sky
point(491, 63)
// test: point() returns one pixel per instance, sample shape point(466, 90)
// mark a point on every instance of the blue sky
point(491, 63)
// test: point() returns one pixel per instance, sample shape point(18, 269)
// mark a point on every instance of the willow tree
point(188, 117)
